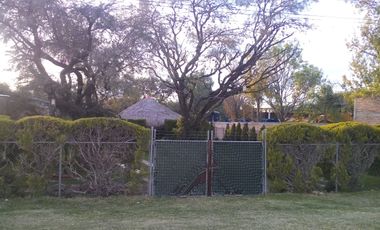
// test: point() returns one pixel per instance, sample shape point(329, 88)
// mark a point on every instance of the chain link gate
point(183, 167)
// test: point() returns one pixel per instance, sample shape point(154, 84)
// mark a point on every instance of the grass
point(278, 211)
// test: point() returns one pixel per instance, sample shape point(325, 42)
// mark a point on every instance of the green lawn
point(279, 211)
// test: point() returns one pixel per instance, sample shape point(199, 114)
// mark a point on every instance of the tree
point(202, 36)
point(365, 64)
point(245, 132)
point(85, 43)
point(291, 84)
point(237, 106)
point(326, 105)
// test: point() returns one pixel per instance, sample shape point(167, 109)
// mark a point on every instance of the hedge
point(355, 157)
point(28, 167)
point(292, 165)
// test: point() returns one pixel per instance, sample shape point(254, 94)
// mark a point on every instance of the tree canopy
point(82, 54)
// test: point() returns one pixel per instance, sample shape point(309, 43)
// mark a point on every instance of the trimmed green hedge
point(292, 165)
point(355, 157)
point(28, 167)
point(296, 164)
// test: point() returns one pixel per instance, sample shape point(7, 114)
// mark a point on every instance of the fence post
point(60, 171)
point(151, 161)
point(209, 164)
point(336, 166)
point(265, 186)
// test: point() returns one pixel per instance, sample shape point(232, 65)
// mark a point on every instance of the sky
point(335, 23)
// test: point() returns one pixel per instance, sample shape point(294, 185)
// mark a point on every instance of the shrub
point(105, 168)
point(7, 129)
point(40, 138)
point(354, 156)
point(141, 122)
point(170, 125)
point(374, 170)
point(253, 134)
point(227, 132)
point(292, 165)
point(245, 133)
point(238, 132)
point(233, 132)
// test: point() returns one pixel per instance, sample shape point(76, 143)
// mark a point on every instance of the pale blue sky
point(335, 23)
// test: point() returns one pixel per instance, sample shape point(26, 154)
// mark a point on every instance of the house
point(151, 111)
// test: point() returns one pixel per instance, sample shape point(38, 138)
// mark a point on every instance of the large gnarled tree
point(219, 40)
point(74, 51)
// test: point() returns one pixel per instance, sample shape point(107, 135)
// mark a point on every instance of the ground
point(278, 211)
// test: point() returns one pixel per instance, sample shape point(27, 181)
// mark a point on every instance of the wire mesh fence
point(70, 168)
point(325, 166)
point(183, 167)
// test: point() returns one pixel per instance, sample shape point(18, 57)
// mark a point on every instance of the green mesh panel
point(238, 168)
point(179, 167)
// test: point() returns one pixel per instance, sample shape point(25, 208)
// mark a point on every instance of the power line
point(250, 11)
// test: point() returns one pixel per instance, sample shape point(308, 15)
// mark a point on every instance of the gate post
point(264, 142)
point(151, 161)
point(209, 163)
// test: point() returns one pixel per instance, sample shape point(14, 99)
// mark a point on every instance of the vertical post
point(265, 186)
point(209, 164)
point(60, 172)
point(336, 166)
point(151, 161)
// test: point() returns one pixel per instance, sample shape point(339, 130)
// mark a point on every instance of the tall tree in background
point(366, 49)
point(85, 43)
point(291, 84)
point(237, 107)
point(205, 36)
point(326, 106)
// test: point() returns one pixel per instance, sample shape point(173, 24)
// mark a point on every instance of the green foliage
point(7, 129)
point(238, 132)
point(170, 125)
point(141, 122)
point(290, 168)
point(355, 157)
point(374, 170)
point(36, 185)
point(253, 134)
point(233, 132)
point(119, 132)
point(227, 134)
point(42, 128)
point(25, 168)
point(245, 132)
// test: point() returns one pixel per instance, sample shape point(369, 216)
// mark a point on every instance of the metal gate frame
point(209, 161)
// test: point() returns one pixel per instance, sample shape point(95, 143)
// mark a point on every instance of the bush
point(7, 129)
point(245, 133)
point(170, 125)
point(293, 165)
point(40, 139)
point(355, 157)
point(253, 134)
point(141, 122)
point(238, 132)
point(106, 168)
point(374, 170)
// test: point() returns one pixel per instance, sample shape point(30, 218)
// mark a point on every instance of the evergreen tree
point(245, 133)
point(238, 132)
point(253, 134)
point(233, 132)
point(227, 132)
